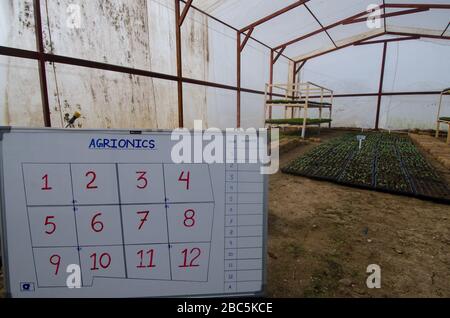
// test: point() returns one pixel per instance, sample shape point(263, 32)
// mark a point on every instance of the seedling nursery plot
point(384, 162)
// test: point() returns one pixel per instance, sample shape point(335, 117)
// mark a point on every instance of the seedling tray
point(388, 163)
point(297, 121)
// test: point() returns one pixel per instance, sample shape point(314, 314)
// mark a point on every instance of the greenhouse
point(352, 94)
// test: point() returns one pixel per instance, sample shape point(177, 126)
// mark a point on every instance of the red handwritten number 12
point(194, 253)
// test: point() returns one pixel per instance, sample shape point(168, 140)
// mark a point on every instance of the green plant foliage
point(296, 101)
point(386, 162)
point(297, 121)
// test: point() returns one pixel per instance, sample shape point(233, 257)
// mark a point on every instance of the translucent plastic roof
point(315, 14)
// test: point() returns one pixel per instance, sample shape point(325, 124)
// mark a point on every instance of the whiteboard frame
point(3, 229)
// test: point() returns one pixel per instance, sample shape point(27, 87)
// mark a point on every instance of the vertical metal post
point(238, 79)
point(271, 81)
point(380, 89)
point(320, 108)
point(42, 71)
point(331, 108)
point(438, 125)
point(294, 87)
point(305, 111)
point(179, 64)
point(265, 100)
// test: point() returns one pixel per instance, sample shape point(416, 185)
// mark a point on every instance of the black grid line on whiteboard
point(75, 205)
point(167, 222)
point(242, 246)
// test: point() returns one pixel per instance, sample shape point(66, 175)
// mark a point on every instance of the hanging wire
point(388, 113)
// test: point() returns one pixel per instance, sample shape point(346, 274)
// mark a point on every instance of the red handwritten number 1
point(46, 187)
point(187, 179)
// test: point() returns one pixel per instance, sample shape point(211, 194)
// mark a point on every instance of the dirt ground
point(322, 237)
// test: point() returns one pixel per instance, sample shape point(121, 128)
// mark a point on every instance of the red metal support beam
point(407, 38)
point(445, 30)
point(186, 8)
point(230, 26)
point(321, 25)
point(418, 5)
point(420, 35)
point(382, 41)
point(272, 53)
point(390, 14)
point(330, 26)
point(274, 15)
point(294, 73)
point(41, 59)
point(239, 48)
point(380, 89)
point(297, 70)
point(383, 94)
point(179, 19)
point(247, 37)
point(361, 15)
point(179, 64)
point(341, 47)
point(59, 59)
point(278, 55)
point(294, 82)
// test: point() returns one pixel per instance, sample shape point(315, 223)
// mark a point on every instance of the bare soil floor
point(322, 237)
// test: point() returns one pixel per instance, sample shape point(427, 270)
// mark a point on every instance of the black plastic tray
point(435, 190)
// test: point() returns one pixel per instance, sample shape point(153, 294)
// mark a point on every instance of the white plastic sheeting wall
point(137, 34)
point(415, 66)
point(348, 71)
point(20, 99)
point(411, 112)
point(411, 66)
point(141, 34)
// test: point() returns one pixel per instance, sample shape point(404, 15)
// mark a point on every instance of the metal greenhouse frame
point(243, 36)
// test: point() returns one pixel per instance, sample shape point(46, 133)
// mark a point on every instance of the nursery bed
point(386, 162)
point(297, 121)
point(311, 104)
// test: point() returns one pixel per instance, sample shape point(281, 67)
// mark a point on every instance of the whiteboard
point(135, 223)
